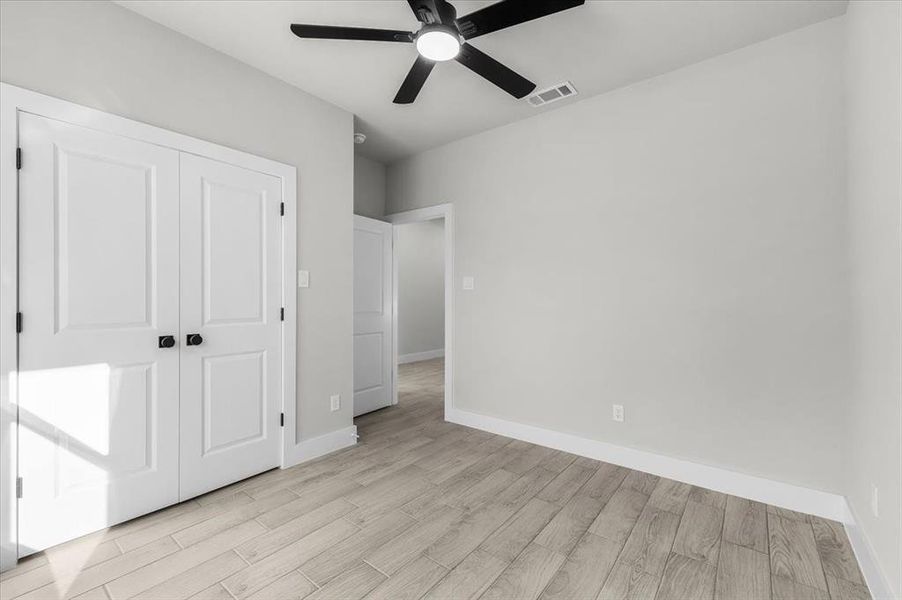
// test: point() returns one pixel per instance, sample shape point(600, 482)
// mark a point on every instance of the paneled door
point(98, 383)
point(230, 323)
point(372, 315)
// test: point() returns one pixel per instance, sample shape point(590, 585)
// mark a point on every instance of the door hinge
point(282, 314)
point(18, 322)
point(18, 487)
point(281, 419)
point(18, 158)
point(282, 209)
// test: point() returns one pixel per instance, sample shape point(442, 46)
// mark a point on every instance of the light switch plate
point(303, 279)
point(469, 283)
point(335, 400)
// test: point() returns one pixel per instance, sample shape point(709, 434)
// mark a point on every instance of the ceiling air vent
point(552, 94)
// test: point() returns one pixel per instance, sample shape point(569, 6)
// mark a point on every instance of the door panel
point(231, 296)
point(98, 399)
point(372, 314)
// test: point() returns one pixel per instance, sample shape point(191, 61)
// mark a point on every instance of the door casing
point(14, 100)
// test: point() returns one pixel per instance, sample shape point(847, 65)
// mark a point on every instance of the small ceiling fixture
point(438, 43)
point(359, 138)
point(442, 37)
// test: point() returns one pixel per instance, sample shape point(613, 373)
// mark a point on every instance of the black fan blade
point(508, 13)
point(486, 66)
point(328, 32)
point(432, 12)
point(414, 81)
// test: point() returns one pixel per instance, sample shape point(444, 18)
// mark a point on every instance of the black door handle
point(194, 339)
point(167, 341)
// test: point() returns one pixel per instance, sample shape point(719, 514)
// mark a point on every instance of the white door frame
point(14, 100)
point(419, 215)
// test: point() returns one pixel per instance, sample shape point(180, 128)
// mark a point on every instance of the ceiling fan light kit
point(438, 43)
point(443, 37)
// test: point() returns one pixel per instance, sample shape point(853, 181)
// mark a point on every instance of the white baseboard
point(878, 584)
point(418, 356)
point(318, 446)
point(784, 495)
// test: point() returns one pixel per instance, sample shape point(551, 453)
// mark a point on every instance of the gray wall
point(677, 246)
point(875, 216)
point(369, 188)
point(107, 57)
point(421, 287)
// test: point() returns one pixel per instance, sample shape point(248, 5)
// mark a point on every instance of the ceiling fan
point(443, 36)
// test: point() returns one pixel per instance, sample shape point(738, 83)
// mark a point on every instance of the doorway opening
point(419, 263)
point(403, 267)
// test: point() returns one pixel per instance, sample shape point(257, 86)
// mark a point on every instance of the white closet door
point(372, 314)
point(231, 298)
point(98, 397)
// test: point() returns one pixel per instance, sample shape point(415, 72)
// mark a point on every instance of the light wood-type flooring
point(421, 508)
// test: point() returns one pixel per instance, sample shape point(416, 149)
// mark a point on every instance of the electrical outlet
point(875, 501)
point(468, 283)
point(335, 399)
point(618, 413)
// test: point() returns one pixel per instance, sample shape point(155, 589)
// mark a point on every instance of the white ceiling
point(599, 47)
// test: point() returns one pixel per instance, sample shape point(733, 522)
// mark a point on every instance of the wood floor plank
point(195, 580)
point(835, 551)
point(784, 588)
point(532, 457)
point(391, 556)
point(230, 518)
point(565, 485)
point(584, 571)
point(483, 492)
point(343, 555)
point(263, 545)
point(309, 499)
point(619, 515)
point(351, 584)
point(260, 574)
point(745, 523)
point(709, 497)
point(376, 503)
point(469, 579)
point(626, 582)
point(467, 533)
point(177, 563)
point(742, 573)
point(527, 576)
point(699, 534)
point(786, 513)
point(793, 552)
point(570, 523)
point(605, 482)
point(686, 577)
point(648, 546)
point(293, 586)
point(670, 495)
point(214, 592)
point(97, 593)
point(840, 589)
point(181, 521)
point(510, 539)
point(411, 582)
point(560, 461)
point(59, 565)
point(526, 487)
point(644, 483)
point(82, 581)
